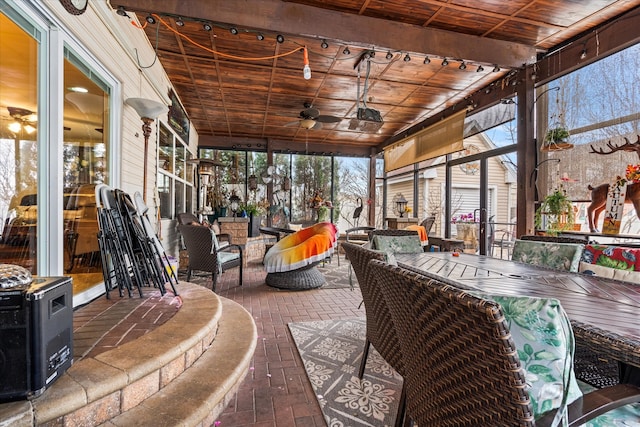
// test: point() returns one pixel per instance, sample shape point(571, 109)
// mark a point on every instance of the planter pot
point(254, 225)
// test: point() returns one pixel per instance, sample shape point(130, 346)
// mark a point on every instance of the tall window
point(19, 51)
point(175, 179)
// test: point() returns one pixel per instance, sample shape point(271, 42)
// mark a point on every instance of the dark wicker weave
point(556, 239)
point(380, 329)
point(307, 277)
point(202, 256)
point(462, 368)
point(186, 218)
point(391, 232)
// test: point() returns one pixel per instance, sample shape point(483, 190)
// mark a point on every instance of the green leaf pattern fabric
point(398, 244)
point(543, 337)
point(559, 256)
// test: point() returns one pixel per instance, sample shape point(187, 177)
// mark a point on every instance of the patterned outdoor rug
point(337, 277)
point(331, 352)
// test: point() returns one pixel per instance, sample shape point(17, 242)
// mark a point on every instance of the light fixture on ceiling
point(407, 58)
point(389, 55)
point(78, 89)
point(260, 36)
point(480, 69)
point(462, 66)
point(307, 123)
point(445, 62)
point(122, 12)
point(148, 110)
point(179, 22)
point(426, 60)
point(233, 30)
point(583, 54)
point(496, 68)
point(346, 51)
point(306, 70)
point(207, 27)
point(24, 120)
point(280, 38)
point(150, 19)
point(324, 44)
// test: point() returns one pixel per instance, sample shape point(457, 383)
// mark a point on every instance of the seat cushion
point(398, 244)
point(561, 256)
point(225, 257)
point(618, 257)
point(299, 249)
point(628, 415)
point(422, 232)
point(543, 337)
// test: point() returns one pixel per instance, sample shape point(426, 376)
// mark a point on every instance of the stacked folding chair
point(131, 255)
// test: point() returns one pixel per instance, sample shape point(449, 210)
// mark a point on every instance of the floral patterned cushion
point(628, 415)
point(617, 257)
point(561, 256)
point(398, 244)
point(544, 339)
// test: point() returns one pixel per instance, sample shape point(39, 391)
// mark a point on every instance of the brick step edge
point(97, 389)
point(200, 394)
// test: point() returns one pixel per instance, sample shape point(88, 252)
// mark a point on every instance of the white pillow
point(598, 270)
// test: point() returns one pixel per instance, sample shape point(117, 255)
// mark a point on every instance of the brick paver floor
point(276, 392)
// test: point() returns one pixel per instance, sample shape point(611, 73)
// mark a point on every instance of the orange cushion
point(422, 232)
point(304, 247)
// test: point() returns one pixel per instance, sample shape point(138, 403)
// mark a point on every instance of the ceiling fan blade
point(294, 123)
point(317, 126)
point(328, 119)
point(309, 113)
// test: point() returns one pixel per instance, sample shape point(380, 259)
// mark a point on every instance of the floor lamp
point(148, 110)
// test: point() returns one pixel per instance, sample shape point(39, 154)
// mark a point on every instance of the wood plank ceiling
point(242, 88)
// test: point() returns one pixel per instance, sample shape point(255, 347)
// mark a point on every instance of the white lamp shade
point(146, 108)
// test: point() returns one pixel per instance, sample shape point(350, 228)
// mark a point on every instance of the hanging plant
point(556, 138)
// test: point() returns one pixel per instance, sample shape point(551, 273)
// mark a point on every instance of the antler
point(627, 146)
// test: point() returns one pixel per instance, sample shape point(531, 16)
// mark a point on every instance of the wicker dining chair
point(390, 232)
point(205, 256)
point(380, 331)
point(461, 364)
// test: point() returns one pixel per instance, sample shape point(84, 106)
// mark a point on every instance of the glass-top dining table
point(604, 313)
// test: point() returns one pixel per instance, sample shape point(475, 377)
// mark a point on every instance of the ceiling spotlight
point(122, 12)
point(480, 69)
point(280, 38)
point(150, 19)
point(260, 36)
point(389, 55)
point(407, 58)
point(496, 68)
point(233, 30)
point(346, 51)
point(583, 54)
point(445, 62)
point(324, 44)
point(462, 66)
point(179, 22)
point(207, 26)
point(426, 60)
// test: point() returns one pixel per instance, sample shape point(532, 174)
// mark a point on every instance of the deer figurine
point(599, 193)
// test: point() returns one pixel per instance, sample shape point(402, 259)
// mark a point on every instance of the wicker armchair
point(461, 364)
point(380, 329)
point(391, 232)
point(204, 256)
point(355, 234)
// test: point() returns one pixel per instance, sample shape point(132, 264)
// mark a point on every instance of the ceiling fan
point(310, 118)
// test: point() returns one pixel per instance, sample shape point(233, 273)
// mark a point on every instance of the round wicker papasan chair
point(291, 262)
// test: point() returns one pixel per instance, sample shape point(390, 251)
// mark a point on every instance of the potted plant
point(556, 138)
point(555, 213)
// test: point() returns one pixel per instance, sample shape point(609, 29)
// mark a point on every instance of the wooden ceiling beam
point(354, 30)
